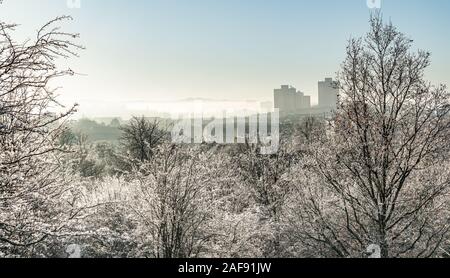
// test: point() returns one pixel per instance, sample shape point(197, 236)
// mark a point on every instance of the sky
point(165, 50)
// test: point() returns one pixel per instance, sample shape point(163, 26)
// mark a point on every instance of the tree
point(32, 184)
point(141, 136)
point(383, 169)
point(173, 203)
point(268, 178)
point(309, 130)
point(85, 161)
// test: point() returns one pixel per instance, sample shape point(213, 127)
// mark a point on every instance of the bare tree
point(174, 203)
point(267, 176)
point(310, 129)
point(264, 174)
point(141, 136)
point(384, 167)
point(31, 186)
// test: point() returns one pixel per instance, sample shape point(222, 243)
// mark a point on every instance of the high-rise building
point(328, 93)
point(288, 100)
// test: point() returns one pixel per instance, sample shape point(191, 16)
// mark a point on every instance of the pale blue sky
point(222, 49)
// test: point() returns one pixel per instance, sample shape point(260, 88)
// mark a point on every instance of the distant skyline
point(163, 50)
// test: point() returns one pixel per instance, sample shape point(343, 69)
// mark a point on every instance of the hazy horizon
point(158, 51)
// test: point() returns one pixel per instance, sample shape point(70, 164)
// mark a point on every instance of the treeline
point(95, 131)
point(158, 199)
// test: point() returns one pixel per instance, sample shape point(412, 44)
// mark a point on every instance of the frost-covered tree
point(383, 170)
point(174, 203)
point(32, 184)
point(141, 136)
point(268, 179)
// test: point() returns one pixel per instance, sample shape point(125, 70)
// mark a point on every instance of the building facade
point(288, 100)
point(328, 94)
